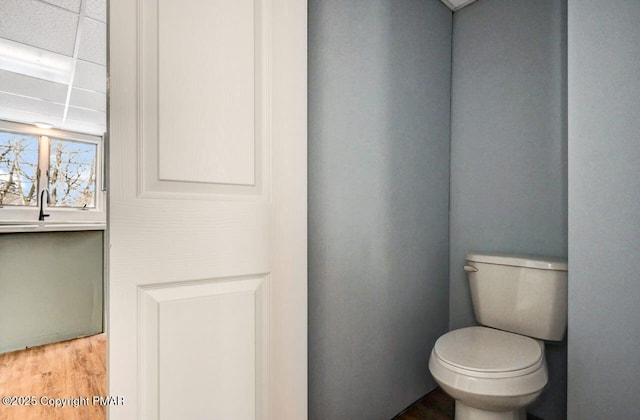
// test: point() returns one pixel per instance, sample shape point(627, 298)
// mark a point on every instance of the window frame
point(93, 215)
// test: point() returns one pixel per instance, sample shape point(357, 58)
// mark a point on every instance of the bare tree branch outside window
point(18, 169)
point(72, 173)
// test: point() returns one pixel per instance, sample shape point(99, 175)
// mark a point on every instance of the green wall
point(51, 287)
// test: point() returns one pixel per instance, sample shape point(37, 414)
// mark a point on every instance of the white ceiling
point(53, 63)
point(457, 4)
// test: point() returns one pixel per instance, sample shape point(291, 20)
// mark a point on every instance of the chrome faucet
point(42, 215)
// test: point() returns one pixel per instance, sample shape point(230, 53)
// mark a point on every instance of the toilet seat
point(483, 352)
point(489, 369)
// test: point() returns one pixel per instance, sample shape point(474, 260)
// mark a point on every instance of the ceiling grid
point(53, 63)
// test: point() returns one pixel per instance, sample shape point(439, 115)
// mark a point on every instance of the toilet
point(494, 371)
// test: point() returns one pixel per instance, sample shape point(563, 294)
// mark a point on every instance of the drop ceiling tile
point(73, 5)
point(93, 41)
point(17, 115)
point(22, 85)
point(89, 99)
point(38, 24)
point(82, 127)
point(87, 116)
point(42, 108)
point(85, 121)
point(90, 76)
point(97, 9)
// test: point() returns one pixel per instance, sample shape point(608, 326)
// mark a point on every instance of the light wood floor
point(66, 370)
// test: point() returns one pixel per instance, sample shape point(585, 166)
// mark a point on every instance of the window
point(72, 173)
point(18, 169)
point(65, 166)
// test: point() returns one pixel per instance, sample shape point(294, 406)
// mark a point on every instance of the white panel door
point(207, 314)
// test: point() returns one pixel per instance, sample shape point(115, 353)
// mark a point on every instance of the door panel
point(231, 315)
point(213, 141)
point(207, 260)
point(204, 96)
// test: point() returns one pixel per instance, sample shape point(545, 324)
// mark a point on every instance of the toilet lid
point(485, 349)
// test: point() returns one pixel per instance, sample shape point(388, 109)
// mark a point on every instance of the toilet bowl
point(496, 370)
point(491, 374)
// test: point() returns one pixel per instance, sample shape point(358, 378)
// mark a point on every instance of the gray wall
point(604, 209)
point(508, 148)
point(50, 287)
point(379, 84)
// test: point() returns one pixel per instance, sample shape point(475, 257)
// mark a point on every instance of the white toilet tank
point(520, 293)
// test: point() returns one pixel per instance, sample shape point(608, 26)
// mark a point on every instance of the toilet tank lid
point(520, 260)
